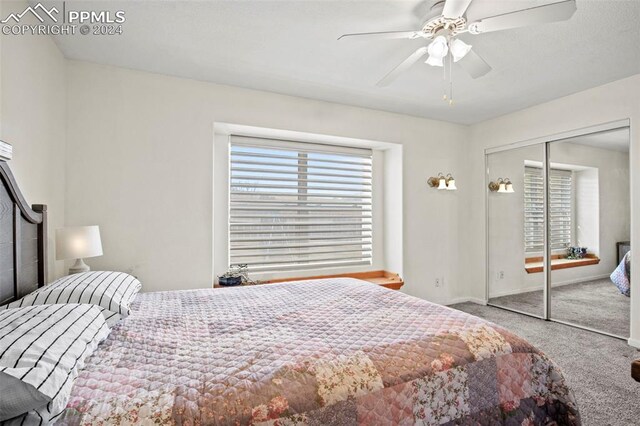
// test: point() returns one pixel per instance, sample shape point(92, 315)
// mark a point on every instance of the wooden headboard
point(23, 241)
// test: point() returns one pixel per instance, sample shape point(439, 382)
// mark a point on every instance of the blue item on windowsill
point(576, 252)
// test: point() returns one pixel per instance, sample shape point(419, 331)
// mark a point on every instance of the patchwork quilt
point(338, 351)
point(621, 276)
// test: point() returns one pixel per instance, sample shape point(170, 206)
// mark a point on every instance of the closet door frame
point(546, 141)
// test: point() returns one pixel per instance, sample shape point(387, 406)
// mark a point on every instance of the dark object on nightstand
point(635, 370)
point(229, 281)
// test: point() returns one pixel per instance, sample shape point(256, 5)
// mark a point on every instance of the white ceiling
point(290, 47)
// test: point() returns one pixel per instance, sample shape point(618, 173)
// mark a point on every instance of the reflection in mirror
point(590, 230)
point(515, 220)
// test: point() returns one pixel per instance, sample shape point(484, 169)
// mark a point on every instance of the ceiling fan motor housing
point(435, 25)
point(436, 22)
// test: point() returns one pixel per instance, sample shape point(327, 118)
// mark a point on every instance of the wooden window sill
point(534, 265)
point(383, 278)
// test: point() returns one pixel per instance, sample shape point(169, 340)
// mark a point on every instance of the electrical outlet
point(501, 275)
point(437, 282)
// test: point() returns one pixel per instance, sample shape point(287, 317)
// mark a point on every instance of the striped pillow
point(44, 347)
point(113, 292)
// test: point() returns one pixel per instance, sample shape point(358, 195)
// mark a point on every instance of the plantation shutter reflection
point(560, 209)
point(296, 206)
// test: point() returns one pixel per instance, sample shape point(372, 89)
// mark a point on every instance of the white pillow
point(18, 397)
point(113, 292)
point(43, 347)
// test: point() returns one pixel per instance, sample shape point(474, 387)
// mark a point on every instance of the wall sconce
point(443, 182)
point(502, 186)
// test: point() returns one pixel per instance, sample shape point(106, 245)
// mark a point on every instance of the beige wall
point(140, 162)
point(611, 102)
point(34, 121)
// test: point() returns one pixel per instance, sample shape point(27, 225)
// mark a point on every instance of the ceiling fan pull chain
point(450, 81)
point(444, 81)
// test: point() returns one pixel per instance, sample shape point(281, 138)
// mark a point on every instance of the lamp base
point(79, 267)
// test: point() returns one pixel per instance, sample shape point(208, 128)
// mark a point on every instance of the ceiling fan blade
point(405, 65)
point(382, 35)
point(473, 64)
point(455, 8)
point(560, 11)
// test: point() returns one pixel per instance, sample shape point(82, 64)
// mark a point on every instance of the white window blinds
point(297, 206)
point(560, 209)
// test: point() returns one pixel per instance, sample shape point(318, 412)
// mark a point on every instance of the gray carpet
point(597, 367)
point(597, 304)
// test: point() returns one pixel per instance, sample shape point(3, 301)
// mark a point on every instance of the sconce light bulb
point(451, 186)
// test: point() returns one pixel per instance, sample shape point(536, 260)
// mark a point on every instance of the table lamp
point(78, 242)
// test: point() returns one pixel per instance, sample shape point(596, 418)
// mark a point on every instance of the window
point(297, 206)
point(560, 209)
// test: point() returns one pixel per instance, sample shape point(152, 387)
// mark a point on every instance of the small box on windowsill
point(229, 281)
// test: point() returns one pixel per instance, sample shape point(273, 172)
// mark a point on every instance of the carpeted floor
point(597, 367)
point(597, 304)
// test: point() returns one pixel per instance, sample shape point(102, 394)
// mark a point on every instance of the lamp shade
point(459, 49)
point(509, 187)
point(78, 242)
point(434, 62)
point(451, 185)
point(438, 47)
point(442, 184)
point(502, 187)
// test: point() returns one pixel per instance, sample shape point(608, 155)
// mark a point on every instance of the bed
point(335, 351)
point(621, 276)
point(338, 351)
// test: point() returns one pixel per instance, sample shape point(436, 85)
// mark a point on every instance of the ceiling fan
point(447, 19)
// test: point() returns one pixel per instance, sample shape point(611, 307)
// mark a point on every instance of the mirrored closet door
point(558, 229)
point(515, 230)
point(590, 226)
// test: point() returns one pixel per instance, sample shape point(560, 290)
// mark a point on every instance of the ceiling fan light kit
point(434, 61)
point(438, 48)
point(447, 19)
point(459, 49)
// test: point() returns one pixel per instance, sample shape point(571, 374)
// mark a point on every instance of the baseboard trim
point(457, 300)
point(634, 342)
point(560, 284)
point(581, 280)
